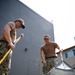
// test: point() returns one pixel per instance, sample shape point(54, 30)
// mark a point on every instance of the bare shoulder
point(12, 25)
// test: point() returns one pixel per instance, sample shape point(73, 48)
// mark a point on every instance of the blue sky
point(62, 12)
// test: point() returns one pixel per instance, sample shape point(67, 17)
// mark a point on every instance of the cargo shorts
point(4, 66)
point(51, 62)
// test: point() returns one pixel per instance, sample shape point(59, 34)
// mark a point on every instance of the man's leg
point(48, 67)
point(4, 66)
point(50, 64)
point(3, 74)
point(44, 70)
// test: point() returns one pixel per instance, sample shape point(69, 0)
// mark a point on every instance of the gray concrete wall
point(26, 56)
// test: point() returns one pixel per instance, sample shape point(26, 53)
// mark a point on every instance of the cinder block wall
point(26, 56)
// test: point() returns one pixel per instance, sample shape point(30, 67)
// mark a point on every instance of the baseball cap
point(21, 21)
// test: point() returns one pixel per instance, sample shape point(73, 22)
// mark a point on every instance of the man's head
point(19, 23)
point(46, 38)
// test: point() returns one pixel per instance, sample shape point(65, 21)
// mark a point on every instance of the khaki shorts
point(4, 66)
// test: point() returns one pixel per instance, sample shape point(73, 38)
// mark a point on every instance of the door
point(33, 67)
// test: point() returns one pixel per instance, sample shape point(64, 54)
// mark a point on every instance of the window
point(70, 54)
point(74, 52)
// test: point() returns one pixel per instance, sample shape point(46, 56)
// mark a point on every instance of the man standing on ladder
point(48, 55)
point(7, 41)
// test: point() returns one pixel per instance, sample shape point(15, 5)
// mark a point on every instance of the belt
point(3, 41)
point(51, 57)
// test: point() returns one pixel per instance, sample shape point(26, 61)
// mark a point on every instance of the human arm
point(6, 33)
point(20, 37)
point(57, 46)
point(43, 57)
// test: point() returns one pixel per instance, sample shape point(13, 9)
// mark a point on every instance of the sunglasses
point(46, 39)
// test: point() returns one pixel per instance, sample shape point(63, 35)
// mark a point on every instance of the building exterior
point(68, 56)
point(26, 56)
